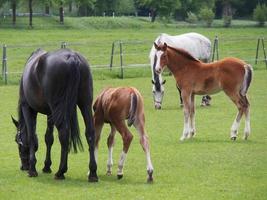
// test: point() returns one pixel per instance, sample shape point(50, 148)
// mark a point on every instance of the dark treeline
point(168, 9)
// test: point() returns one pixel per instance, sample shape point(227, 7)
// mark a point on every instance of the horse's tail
point(72, 94)
point(65, 113)
point(133, 108)
point(247, 79)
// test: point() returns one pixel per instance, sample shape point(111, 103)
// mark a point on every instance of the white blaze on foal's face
point(158, 68)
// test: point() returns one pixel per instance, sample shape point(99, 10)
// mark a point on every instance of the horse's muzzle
point(157, 106)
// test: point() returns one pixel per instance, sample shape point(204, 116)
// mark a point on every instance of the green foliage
point(227, 20)
point(260, 14)
point(125, 7)
point(191, 18)
point(207, 15)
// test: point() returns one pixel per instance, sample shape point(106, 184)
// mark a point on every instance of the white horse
point(196, 44)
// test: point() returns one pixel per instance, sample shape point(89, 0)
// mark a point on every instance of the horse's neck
point(176, 61)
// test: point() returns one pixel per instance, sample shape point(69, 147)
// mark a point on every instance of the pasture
point(209, 166)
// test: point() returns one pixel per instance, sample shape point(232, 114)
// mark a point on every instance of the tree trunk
point(30, 13)
point(70, 7)
point(227, 9)
point(14, 6)
point(227, 13)
point(153, 14)
point(47, 11)
point(61, 13)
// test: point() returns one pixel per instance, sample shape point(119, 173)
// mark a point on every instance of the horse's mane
point(37, 52)
point(184, 53)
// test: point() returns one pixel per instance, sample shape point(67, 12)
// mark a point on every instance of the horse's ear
point(164, 46)
point(152, 82)
point(15, 121)
point(156, 46)
point(163, 82)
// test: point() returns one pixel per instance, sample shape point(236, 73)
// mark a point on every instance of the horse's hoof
point(59, 177)
point(119, 176)
point(109, 173)
point(233, 138)
point(47, 170)
point(23, 168)
point(92, 179)
point(32, 174)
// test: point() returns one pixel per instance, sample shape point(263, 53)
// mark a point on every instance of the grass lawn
point(210, 166)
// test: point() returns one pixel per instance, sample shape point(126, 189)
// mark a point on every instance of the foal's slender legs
point(49, 139)
point(187, 103)
point(110, 144)
point(127, 139)
point(243, 107)
point(192, 117)
point(247, 118)
point(139, 125)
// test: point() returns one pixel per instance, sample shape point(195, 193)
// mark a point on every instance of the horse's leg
point(192, 117)
point(90, 137)
point(187, 104)
point(110, 144)
point(49, 139)
point(247, 117)
point(127, 139)
point(63, 134)
point(30, 120)
point(237, 101)
point(180, 96)
point(139, 125)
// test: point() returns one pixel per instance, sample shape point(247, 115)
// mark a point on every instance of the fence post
point(111, 56)
point(121, 62)
point(63, 45)
point(4, 64)
point(264, 52)
point(257, 51)
point(215, 48)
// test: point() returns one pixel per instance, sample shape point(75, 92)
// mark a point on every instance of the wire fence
point(121, 56)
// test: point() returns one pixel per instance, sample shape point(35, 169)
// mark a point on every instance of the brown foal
point(114, 106)
point(194, 77)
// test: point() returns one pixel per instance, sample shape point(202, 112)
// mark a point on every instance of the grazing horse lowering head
point(158, 92)
point(54, 84)
point(21, 140)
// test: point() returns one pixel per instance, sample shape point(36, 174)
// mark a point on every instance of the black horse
point(53, 83)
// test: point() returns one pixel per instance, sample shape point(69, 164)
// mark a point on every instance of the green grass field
point(210, 166)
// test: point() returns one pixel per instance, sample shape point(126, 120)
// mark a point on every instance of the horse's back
point(50, 76)
point(115, 103)
point(196, 44)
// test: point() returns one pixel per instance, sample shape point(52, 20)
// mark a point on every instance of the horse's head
point(158, 92)
point(161, 57)
point(21, 140)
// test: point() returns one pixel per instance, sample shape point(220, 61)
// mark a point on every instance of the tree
point(207, 15)
point(125, 7)
point(85, 7)
point(163, 8)
point(260, 14)
point(30, 13)
point(14, 9)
